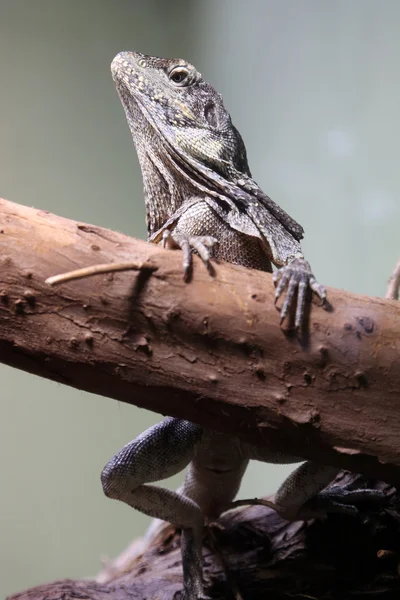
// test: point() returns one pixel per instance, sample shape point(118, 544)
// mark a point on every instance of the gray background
point(314, 87)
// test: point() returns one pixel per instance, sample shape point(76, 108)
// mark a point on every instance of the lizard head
point(168, 104)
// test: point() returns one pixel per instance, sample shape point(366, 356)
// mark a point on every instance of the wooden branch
point(253, 555)
point(211, 351)
point(393, 287)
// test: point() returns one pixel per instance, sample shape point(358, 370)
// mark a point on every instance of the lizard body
point(198, 189)
point(200, 196)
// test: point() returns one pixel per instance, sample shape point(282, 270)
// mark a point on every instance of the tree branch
point(393, 287)
point(256, 555)
point(211, 351)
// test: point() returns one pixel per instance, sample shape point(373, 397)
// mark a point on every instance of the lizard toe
point(296, 278)
point(339, 499)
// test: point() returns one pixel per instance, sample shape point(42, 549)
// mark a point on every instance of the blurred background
point(314, 88)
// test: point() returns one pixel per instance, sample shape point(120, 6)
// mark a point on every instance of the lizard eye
point(179, 76)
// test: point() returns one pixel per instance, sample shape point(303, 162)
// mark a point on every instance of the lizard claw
point(342, 500)
point(297, 277)
point(202, 244)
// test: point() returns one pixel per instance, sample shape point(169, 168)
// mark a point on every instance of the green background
point(314, 88)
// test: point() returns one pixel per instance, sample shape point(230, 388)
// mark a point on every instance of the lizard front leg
point(196, 226)
point(202, 244)
point(189, 230)
point(161, 451)
point(297, 277)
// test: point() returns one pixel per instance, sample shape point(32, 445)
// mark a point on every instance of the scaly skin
point(200, 197)
point(197, 182)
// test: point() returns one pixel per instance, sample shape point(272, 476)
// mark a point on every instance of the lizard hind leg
point(303, 495)
point(161, 451)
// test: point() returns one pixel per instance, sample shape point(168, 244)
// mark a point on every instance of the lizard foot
point(192, 563)
point(297, 277)
point(340, 499)
point(202, 244)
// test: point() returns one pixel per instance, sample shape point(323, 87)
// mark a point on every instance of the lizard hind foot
point(297, 277)
point(340, 499)
point(203, 245)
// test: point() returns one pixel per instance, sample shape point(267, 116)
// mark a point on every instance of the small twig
point(393, 287)
point(99, 269)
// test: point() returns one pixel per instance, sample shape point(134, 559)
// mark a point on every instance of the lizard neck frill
point(161, 190)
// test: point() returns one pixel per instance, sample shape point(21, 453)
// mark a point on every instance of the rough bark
point(342, 558)
point(211, 351)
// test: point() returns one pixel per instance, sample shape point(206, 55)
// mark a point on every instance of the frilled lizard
point(200, 196)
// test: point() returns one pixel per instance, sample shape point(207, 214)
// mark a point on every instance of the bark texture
point(211, 351)
point(256, 555)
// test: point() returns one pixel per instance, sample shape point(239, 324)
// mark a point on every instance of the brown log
point(255, 555)
point(211, 351)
